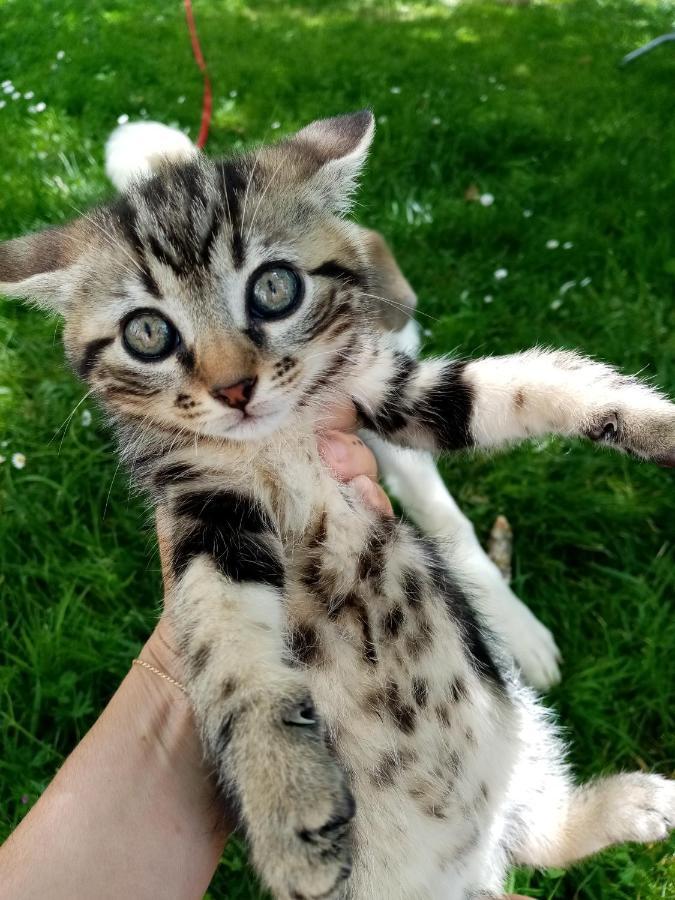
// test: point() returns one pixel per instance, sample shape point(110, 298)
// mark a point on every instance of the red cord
point(207, 100)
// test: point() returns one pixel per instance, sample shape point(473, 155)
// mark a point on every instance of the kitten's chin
point(252, 428)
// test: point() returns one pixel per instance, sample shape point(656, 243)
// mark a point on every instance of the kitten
point(137, 150)
point(371, 732)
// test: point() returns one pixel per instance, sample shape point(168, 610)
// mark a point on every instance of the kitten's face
point(218, 297)
point(224, 295)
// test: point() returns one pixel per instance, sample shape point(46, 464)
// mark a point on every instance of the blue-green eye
point(148, 335)
point(274, 292)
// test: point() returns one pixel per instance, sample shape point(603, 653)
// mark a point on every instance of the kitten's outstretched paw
point(647, 431)
point(296, 801)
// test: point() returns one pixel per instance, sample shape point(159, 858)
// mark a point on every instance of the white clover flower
point(29, 95)
point(86, 418)
point(436, 120)
point(527, 213)
point(395, 89)
point(234, 94)
point(3, 103)
point(181, 99)
point(275, 125)
point(8, 87)
point(5, 84)
point(427, 332)
point(486, 199)
point(568, 245)
point(16, 95)
point(40, 107)
point(585, 282)
point(552, 244)
point(2, 459)
point(123, 119)
point(18, 460)
point(557, 303)
point(61, 54)
point(501, 274)
point(488, 298)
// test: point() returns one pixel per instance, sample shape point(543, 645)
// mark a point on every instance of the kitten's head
point(217, 296)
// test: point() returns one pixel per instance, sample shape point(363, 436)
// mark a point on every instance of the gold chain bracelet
point(156, 671)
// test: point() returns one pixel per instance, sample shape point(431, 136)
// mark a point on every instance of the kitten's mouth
point(252, 426)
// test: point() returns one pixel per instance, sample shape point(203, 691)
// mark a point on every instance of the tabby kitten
point(372, 734)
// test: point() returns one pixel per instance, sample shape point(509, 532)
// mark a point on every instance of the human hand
point(349, 459)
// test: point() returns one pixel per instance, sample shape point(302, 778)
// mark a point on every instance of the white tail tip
point(137, 149)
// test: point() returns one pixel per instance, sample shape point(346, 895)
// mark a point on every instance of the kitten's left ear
point(333, 152)
point(38, 267)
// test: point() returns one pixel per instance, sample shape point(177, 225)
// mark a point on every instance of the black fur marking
point(167, 258)
point(372, 559)
point(255, 334)
point(473, 632)
point(393, 413)
point(127, 219)
point(392, 621)
point(420, 691)
point(233, 532)
point(172, 473)
point(323, 379)
point(92, 351)
point(224, 735)
point(411, 584)
point(305, 645)
point(446, 409)
point(333, 269)
point(402, 713)
point(199, 660)
point(186, 358)
point(233, 183)
point(458, 690)
point(353, 603)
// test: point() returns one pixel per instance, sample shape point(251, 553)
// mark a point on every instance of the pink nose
point(235, 395)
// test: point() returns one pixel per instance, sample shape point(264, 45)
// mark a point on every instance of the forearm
point(446, 405)
point(132, 812)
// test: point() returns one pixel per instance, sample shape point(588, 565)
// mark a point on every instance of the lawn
point(523, 103)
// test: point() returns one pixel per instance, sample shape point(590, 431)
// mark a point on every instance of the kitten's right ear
point(39, 267)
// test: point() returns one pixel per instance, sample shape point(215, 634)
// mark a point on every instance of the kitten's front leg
point(257, 720)
point(449, 405)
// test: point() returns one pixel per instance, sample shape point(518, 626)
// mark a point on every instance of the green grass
point(527, 104)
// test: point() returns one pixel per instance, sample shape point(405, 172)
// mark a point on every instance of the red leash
point(207, 100)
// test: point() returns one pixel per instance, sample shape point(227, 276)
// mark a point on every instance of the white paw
point(647, 808)
point(531, 644)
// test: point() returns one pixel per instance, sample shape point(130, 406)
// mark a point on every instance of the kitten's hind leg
point(614, 810)
point(550, 821)
point(412, 476)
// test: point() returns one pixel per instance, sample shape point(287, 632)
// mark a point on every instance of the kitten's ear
point(38, 267)
point(393, 298)
point(333, 152)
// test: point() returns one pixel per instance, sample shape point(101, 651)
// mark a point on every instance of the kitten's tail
point(137, 149)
